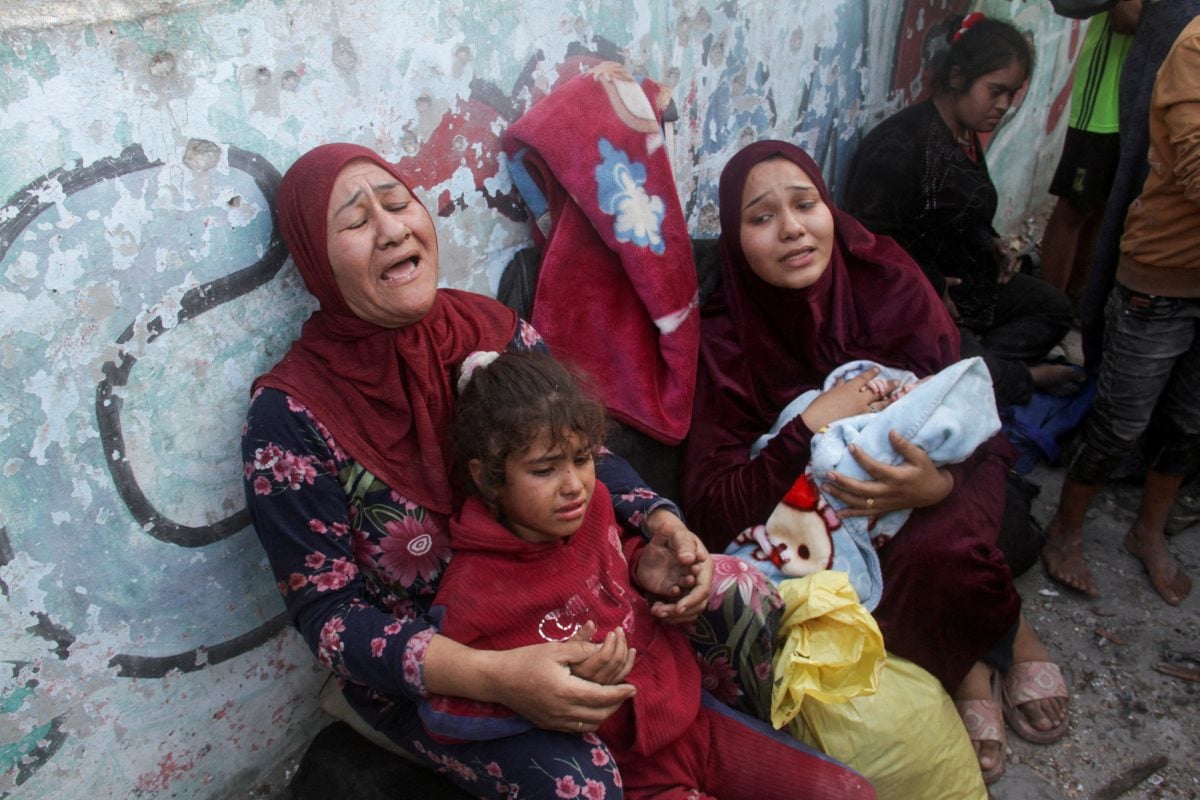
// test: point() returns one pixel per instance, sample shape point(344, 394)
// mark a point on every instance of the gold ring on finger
point(579, 726)
point(870, 503)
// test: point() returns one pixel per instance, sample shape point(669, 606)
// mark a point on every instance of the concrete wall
point(142, 286)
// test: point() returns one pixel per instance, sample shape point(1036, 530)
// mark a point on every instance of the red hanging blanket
point(616, 292)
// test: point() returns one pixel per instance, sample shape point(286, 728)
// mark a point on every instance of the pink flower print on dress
point(265, 457)
point(403, 502)
point(338, 453)
point(365, 550)
point(328, 581)
point(403, 609)
point(593, 790)
point(600, 757)
point(262, 485)
point(377, 646)
point(412, 663)
point(529, 335)
point(292, 470)
point(331, 641)
point(719, 679)
point(566, 787)
point(413, 546)
point(729, 571)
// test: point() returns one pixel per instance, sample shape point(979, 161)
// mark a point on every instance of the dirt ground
point(1128, 711)
point(1119, 651)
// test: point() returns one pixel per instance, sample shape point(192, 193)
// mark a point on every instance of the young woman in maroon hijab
point(805, 288)
point(347, 457)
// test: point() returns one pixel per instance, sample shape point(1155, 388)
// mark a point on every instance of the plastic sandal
point(1034, 680)
point(984, 721)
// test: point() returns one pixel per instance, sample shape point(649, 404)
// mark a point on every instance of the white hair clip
point(475, 360)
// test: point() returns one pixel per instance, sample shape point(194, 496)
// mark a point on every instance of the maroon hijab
point(872, 302)
point(384, 393)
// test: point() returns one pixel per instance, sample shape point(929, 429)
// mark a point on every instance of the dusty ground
point(1118, 650)
point(1126, 710)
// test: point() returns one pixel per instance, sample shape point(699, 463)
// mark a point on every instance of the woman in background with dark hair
point(921, 178)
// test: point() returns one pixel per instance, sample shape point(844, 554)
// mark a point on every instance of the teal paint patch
point(183, 32)
point(123, 131)
point(14, 83)
point(11, 754)
point(36, 58)
point(292, 126)
point(235, 129)
point(14, 700)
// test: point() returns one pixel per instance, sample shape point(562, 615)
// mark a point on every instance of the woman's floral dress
point(358, 566)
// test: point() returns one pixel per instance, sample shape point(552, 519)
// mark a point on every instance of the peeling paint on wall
point(143, 285)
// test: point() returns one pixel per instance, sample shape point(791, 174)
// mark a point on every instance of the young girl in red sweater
point(556, 567)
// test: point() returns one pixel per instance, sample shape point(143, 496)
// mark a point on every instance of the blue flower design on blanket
point(621, 192)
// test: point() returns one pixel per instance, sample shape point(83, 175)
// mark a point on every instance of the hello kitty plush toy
point(796, 539)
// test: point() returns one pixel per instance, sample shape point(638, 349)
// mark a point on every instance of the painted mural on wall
point(143, 650)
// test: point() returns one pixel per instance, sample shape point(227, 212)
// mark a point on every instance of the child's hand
point(608, 665)
point(661, 572)
point(676, 567)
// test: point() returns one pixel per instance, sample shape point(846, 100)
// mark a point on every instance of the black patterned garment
point(912, 180)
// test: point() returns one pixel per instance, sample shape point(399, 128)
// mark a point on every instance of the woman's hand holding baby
point(915, 482)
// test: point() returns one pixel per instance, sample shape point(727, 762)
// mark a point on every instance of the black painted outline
point(194, 303)
point(108, 406)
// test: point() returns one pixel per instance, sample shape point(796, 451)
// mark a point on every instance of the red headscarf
point(384, 393)
point(872, 302)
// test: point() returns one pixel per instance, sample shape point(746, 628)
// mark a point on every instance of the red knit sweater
point(500, 592)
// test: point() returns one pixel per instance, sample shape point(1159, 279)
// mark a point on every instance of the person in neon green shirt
point(1090, 151)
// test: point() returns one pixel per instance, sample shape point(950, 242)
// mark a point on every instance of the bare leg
point(1060, 244)
point(1063, 552)
point(1148, 541)
point(1060, 380)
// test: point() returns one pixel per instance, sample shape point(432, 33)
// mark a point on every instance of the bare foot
point(1060, 380)
point(1169, 580)
point(1063, 557)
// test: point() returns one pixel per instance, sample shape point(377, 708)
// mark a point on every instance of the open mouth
point(402, 270)
point(798, 255)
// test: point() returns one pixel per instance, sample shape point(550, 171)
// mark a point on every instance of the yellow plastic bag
point(829, 649)
point(901, 730)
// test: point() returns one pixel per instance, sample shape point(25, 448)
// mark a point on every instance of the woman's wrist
point(460, 671)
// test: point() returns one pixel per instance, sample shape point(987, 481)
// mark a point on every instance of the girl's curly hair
point(506, 405)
